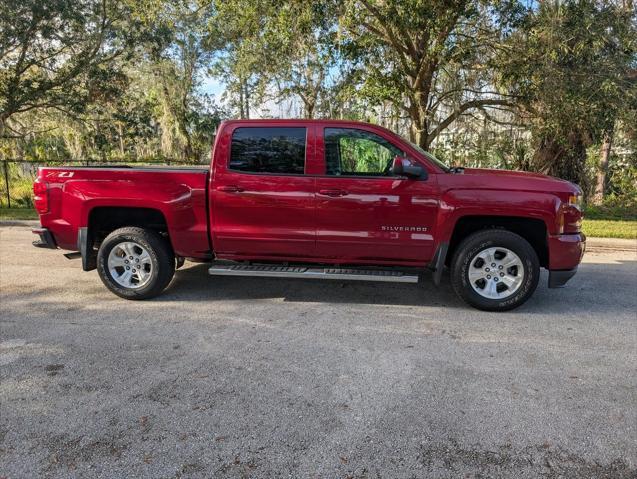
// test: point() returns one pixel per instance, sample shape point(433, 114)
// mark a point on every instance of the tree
point(431, 58)
point(234, 32)
point(175, 54)
point(275, 51)
point(571, 74)
point(54, 54)
point(305, 53)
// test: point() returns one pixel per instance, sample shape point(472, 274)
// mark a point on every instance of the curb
point(29, 223)
point(610, 245)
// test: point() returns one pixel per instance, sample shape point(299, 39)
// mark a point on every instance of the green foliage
point(273, 50)
point(361, 155)
point(613, 209)
point(135, 97)
point(21, 178)
point(620, 201)
point(569, 65)
point(500, 83)
point(59, 54)
point(431, 58)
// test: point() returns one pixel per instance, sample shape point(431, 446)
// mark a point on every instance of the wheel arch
point(534, 230)
point(102, 220)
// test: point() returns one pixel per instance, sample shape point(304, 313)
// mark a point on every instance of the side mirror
point(397, 167)
point(404, 167)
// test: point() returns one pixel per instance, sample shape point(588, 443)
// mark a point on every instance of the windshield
point(429, 156)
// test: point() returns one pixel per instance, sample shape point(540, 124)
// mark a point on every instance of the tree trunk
point(242, 114)
point(419, 134)
point(600, 188)
point(562, 161)
point(121, 138)
point(3, 121)
point(188, 151)
point(246, 98)
point(309, 110)
point(418, 114)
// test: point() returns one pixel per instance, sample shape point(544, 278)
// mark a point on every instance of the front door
point(262, 203)
point(364, 213)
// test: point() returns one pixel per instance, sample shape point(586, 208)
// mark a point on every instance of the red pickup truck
point(316, 199)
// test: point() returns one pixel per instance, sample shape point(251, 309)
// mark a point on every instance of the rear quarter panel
point(179, 194)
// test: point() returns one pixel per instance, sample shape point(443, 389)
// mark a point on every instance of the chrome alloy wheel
point(130, 265)
point(496, 273)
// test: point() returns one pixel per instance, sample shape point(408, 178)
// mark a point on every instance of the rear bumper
point(46, 238)
point(557, 279)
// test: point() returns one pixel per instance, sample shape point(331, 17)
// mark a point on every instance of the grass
point(593, 227)
point(597, 228)
point(612, 212)
point(18, 214)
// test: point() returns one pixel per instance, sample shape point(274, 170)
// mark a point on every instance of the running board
point(316, 273)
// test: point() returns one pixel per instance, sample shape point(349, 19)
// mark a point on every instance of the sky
point(212, 86)
point(270, 109)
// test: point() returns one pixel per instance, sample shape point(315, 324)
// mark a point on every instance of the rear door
point(262, 202)
point(365, 214)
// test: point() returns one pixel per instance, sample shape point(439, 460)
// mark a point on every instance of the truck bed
point(178, 193)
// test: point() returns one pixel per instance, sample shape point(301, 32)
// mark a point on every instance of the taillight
point(41, 196)
point(571, 215)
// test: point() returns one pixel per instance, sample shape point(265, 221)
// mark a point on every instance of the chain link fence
point(16, 186)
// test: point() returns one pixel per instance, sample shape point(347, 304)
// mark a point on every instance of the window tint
point(349, 151)
point(268, 150)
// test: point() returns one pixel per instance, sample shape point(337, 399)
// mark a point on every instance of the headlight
point(576, 201)
point(571, 215)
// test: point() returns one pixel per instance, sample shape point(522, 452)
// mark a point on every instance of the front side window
point(268, 150)
point(353, 152)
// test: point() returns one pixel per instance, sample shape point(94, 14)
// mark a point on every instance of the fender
point(459, 203)
point(455, 204)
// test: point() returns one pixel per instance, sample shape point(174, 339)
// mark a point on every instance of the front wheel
point(495, 270)
point(135, 263)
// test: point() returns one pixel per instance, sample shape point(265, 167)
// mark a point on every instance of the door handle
point(333, 193)
point(230, 189)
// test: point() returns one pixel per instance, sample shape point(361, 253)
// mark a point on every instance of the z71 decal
point(60, 174)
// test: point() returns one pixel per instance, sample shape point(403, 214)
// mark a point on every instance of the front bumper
point(565, 254)
point(46, 238)
point(566, 251)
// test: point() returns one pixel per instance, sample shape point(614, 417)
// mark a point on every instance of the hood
point(505, 179)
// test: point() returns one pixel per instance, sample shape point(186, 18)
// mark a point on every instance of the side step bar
point(317, 273)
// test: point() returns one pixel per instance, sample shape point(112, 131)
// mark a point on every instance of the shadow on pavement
point(599, 287)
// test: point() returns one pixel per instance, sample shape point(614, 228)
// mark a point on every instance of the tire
point(148, 249)
point(501, 288)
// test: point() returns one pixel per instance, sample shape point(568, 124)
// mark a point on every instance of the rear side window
point(268, 150)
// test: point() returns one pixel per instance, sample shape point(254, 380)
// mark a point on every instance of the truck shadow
point(598, 287)
point(194, 283)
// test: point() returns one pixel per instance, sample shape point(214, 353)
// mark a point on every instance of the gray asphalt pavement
point(230, 377)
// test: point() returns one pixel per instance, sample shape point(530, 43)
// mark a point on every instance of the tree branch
point(461, 109)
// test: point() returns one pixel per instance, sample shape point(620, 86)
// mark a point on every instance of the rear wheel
point(495, 270)
point(135, 263)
